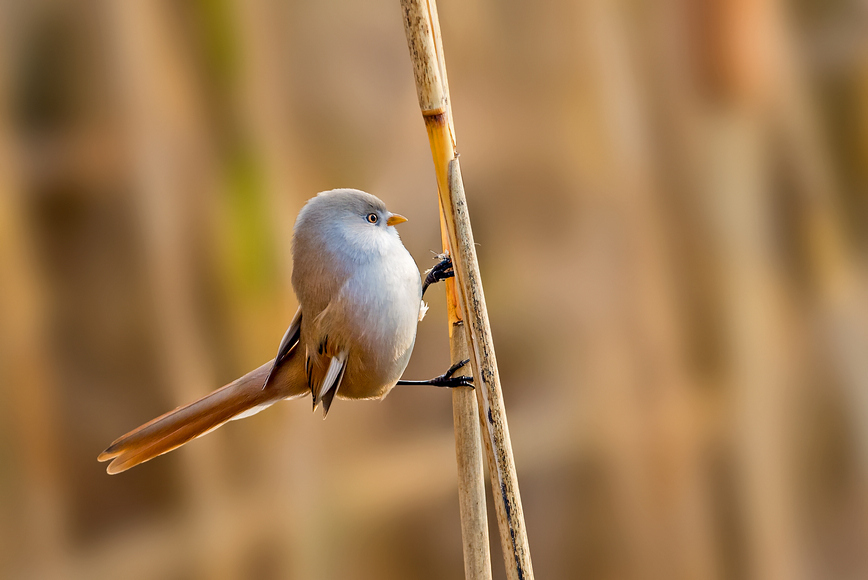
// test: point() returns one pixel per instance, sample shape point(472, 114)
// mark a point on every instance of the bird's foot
point(440, 272)
point(446, 379)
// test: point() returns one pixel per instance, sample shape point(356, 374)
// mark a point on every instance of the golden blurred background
point(671, 205)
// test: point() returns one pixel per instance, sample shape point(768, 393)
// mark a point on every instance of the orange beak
point(395, 219)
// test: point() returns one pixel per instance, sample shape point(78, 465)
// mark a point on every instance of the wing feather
point(332, 381)
point(289, 342)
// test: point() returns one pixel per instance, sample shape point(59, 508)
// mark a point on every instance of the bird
point(360, 300)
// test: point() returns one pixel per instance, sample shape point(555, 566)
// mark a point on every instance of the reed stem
point(423, 38)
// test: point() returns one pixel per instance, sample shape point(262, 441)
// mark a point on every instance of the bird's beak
point(395, 219)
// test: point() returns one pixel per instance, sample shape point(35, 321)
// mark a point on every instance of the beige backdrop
point(670, 203)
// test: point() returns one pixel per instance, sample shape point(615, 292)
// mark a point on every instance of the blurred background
point(671, 204)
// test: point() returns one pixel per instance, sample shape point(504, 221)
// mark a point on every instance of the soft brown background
point(670, 200)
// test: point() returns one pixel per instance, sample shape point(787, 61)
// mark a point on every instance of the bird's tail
point(240, 398)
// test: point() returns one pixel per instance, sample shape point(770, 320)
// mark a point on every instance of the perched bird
point(360, 299)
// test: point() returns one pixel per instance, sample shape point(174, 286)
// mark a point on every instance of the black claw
point(462, 381)
point(452, 382)
point(438, 273)
point(446, 379)
point(455, 367)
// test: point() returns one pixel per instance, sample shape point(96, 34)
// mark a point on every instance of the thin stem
point(422, 28)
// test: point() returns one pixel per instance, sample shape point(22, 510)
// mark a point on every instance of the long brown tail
point(240, 398)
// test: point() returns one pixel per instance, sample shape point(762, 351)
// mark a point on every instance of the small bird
point(360, 300)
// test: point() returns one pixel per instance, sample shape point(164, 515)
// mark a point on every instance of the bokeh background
point(671, 204)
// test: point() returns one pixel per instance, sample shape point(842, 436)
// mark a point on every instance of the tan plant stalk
point(422, 28)
point(468, 447)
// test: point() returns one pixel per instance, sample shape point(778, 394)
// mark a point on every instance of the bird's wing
point(332, 381)
point(326, 364)
point(289, 342)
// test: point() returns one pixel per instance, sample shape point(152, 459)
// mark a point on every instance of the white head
point(348, 222)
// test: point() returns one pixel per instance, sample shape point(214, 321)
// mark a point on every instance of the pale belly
point(377, 320)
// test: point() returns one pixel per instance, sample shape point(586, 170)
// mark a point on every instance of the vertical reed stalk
point(165, 137)
point(28, 379)
point(468, 447)
point(422, 28)
point(759, 338)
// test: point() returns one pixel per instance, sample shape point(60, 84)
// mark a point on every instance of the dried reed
point(423, 37)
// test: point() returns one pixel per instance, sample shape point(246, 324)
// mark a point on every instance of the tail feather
point(242, 397)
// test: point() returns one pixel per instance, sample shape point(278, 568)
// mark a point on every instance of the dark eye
point(373, 218)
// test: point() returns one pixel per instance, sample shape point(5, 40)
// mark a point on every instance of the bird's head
point(349, 220)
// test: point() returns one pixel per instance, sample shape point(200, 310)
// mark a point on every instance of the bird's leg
point(438, 273)
point(446, 379)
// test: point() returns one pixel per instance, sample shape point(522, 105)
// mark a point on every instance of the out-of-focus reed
point(669, 201)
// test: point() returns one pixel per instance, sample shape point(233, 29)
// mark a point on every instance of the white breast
point(380, 314)
point(386, 295)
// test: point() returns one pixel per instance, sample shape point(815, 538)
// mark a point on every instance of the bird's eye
point(373, 218)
